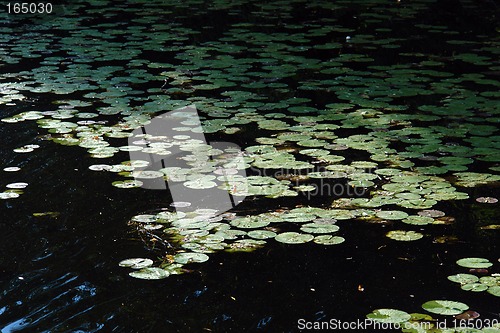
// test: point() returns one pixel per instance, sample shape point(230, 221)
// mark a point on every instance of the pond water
point(365, 134)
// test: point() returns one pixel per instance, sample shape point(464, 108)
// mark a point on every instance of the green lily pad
point(494, 290)
point(250, 222)
point(9, 195)
point(328, 240)
point(318, 228)
point(294, 238)
point(443, 307)
point(190, 257)
point(150, 273)
point(261, 234)
point(392, 215)
point(245, 245)
point(477, 287)
point(418, 220)
point(463, 278)
point(136, 263)
point(474, 263)
point(389, 316)
point(405, 236)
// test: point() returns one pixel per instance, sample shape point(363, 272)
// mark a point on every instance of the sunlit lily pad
point(19, 185)
point(293, 238)
point(389, 316)
point(245, 245)
point(190, 257)
point(127, 184)
point(494, 290)
point(9, 195)
point(136, 263)
point(318, 228)
point(405, 236)
point(150, 273)
point(463, 278)
point(476, 287)
point(392, 215)
point(474, 263)
point(250, 222)
point(328, 240)
point(418, 220)
point(431, 213)
point(11, 169)
point(447, 308)
point(261, 234)
point(487, 200)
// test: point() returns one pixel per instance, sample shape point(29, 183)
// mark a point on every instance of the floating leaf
point(136, 263)
point(319, 228)
point(389, 316)
point(474, 263)
point(477, 287)
point(418, 220)
point(9, 195)
point(190, 257)
point(250, 222)
point(487, 200)
point(447, 308)
point(261, 234)
point(11, 169)
point(392, 215)
point(494, 290)
point(150, 273)
point(293, 238)
point(463, 278)
point(405, 236)
point(431, 213)
point(328, 240)
point(127, 184)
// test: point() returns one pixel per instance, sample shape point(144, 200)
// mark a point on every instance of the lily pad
point(319, 228)
point(190, 257)
point(477, 287)
point(392, 215)
point(489, 200)
point(389, 316)
point(474, 263)
point(494, 290)
point(150, 273)
point(261, 234)
point(463, 278)
point(127, 184)
point(136, 263)
point(328, 240)
point(418, 220)
point(443, 307)
point(405, 236)
point(293, 238)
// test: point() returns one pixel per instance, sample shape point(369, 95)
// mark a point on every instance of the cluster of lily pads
point(13, 190)
point(421, 323)
point(424, 323)
point(470, 282)
point(308, 102)
point(195, 234)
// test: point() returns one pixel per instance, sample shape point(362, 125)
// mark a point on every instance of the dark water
point(60, 274)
